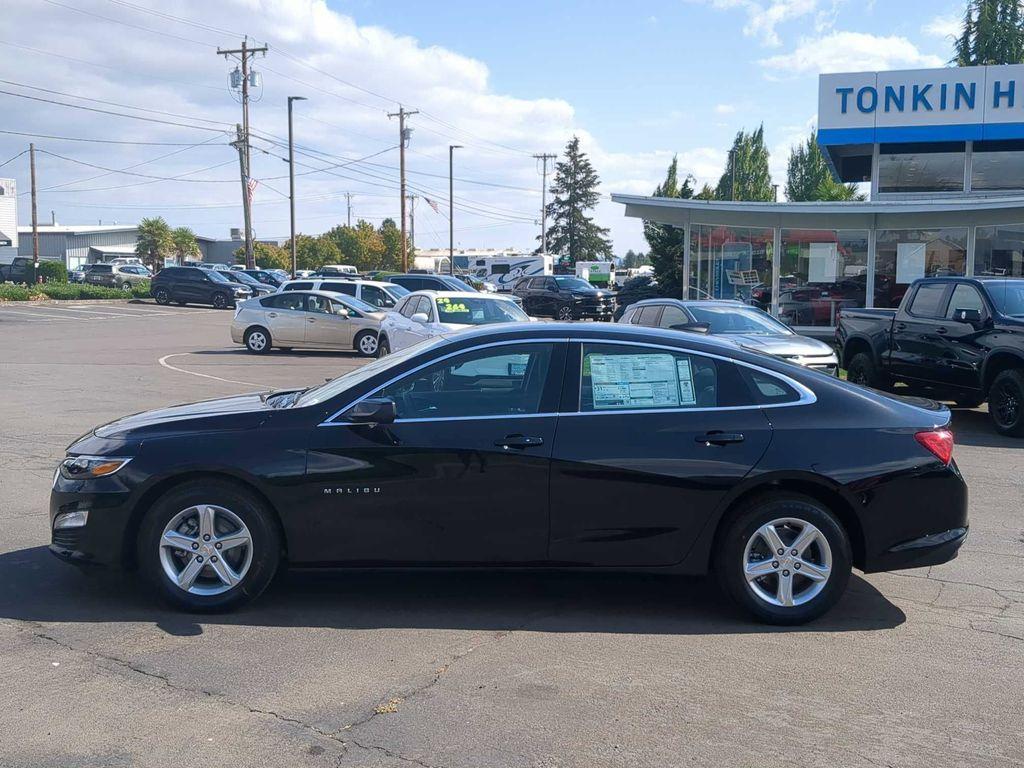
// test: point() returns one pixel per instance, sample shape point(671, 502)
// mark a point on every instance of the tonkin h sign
point(950, 104)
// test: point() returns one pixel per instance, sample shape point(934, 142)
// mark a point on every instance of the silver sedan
point(307, 320)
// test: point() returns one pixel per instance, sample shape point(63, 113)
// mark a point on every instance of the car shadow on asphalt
point(974, 427)
point(38, 588)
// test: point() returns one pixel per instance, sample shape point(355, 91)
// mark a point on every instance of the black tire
point(258, 340)
point(383, 346)
point(126, 287)
point(265, 545)
point(161, 296)
point(1006, 403)
point(565, 312)
point(741, 528)
point(219, 300)
point(862, 370)
point(362, 344)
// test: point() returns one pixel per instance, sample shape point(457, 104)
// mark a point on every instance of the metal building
point(71, 244)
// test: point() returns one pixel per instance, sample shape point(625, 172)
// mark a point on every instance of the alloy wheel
point(206, 550)
point(257, 341)
point(565, 313)
point(219, 301)
point(368, 344)
point(1007, 406)
point(787, 562)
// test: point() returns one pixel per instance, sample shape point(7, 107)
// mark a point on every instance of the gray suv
point(122, 276)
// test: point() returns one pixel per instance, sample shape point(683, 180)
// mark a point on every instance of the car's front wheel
point(1006, 403)
point(565, 312)
point(162, 296)
point(366, 344)
point(126, 286)
point(209, 545)
point(219, 301)
point(784, 558)
point(383, 347)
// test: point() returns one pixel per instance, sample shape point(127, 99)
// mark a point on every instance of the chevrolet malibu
point(525, 445)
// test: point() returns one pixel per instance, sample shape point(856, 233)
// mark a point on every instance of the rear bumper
point(933, 549)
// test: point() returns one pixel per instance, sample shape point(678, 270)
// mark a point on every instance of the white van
point(328, 270)
point(505, 271)
point(382, 295)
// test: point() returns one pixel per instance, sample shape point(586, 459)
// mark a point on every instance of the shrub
point(141, 290)
point(53, 272)
point(69, 291)
point(636, 289)
point(10, 292)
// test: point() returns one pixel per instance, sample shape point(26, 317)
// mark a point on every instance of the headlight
point(88, 467)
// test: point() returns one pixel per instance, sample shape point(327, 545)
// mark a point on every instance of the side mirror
point(691, 327)
point(374, 410)
point(421, 318)
point(342, 312)
point(972, 316)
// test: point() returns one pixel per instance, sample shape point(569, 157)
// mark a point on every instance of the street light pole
point(291, 176)
point(451, 208)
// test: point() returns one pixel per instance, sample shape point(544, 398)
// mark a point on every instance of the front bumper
point(587, 309)
point(101, 540)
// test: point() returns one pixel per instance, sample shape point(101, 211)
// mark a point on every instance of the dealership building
point(943, 152)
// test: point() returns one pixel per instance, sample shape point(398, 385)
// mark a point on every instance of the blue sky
point(638, 82)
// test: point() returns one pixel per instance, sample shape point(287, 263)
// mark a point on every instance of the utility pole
point(35, 221)
point(403, 140)
point(544, 202)
point(348, 203)
point(451, 207)
point(245, 53)
point(412, 222)
point(291, 177)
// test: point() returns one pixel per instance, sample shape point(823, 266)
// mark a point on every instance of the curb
point(59, 302)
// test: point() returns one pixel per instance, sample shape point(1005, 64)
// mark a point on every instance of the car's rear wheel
point(126, 286)
point(383, 347)
point(257, 340)
point(784, 558)
point(862, 370)
point(565, 312)
point(1006, 403)
point(219, 300)
point(162, 296)
point(366, 344)
point(209, 545)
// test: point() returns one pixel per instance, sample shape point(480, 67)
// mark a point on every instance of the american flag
point(432, 204)
point(252, 189)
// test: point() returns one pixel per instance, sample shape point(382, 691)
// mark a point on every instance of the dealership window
point(821, 272)
point(731, 263)
point(999, 251)
point(905, 255)
point(997, 165)
point(931, 167)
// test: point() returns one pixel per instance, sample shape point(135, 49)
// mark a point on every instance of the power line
point(107, 141)
point(132, 173)
point(127, 24)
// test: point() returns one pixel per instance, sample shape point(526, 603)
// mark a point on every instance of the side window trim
point(807, 397)
point(330, 420)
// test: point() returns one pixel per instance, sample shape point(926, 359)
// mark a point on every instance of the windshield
point(573, 284)
point(397, 291)
point(354, 303)
point(1008, 296)
point(459, 285)
point(355, 377)
point(216, 276)
point(483, 311)
point(241, 277)
point(739, 320)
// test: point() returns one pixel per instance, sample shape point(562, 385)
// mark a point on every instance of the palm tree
point(154, 243)
point(185, 244)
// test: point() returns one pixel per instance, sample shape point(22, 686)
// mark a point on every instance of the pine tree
point(667, 242)
point(572, 234)
point(992, 33)
point(748, 166)
point(808, 176)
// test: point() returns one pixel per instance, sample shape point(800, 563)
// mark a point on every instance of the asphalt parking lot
point(919, 668)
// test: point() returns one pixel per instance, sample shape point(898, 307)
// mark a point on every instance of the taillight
point(939, 442)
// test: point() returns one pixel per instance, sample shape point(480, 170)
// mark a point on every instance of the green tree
point(808, 176)
point(667, 242)
point(992, 33)
point(748, 165)
point(154, 243)
point(184, 243)
point(361, 245)
point(268, 256)
point(572, 234)
point(632, 260)
point(314, 252)
point(391, 237)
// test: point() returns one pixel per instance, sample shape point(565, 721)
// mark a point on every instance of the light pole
point(451, 207)
point(291, 175)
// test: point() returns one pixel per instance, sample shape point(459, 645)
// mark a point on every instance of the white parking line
point(163, 361)
point(35, 313)
point(90, 310)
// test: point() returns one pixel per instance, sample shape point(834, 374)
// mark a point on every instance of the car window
point(396, 290)
point(738, 319)
point(346, 288)
point(377, 297)
point(319, 304)
point(965, 297)
point(507, 380)
point(423, 308)
point(649, 315)
point(630, 316)
point(645, 378)
point(549, 284)
point(409, 307)
point(478, 311)
point(191, 274)
point(303, 286)
point(769, 390)
point(293, 301)
point(672, 315)
point(928, 300)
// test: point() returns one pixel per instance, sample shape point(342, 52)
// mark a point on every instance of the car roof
point(459, 294)
point(321, 279)
point(735, 303)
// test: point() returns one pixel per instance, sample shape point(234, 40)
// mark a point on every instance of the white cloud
point(725, 109)
point(943, 27)
point(850, 52)
point(764, 16)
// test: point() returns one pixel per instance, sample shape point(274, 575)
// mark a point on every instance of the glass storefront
point(821, 272)
point(932, 167)
point(731, 263)
point(997, 165)
point(999, 251)
point(904, 255)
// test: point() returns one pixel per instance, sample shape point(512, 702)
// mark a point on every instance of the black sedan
point(530, 445)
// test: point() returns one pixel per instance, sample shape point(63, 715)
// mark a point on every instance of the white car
point(384, 296)
point(425, 314)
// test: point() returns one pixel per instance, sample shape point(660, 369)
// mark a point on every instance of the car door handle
point(310, 319)
point(941, 329)
point(901, 326)
point(519, 441)
point(271, 314)
point(717, 437)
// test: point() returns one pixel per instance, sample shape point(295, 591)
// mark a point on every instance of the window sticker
point(686, 393)
point(634, 381)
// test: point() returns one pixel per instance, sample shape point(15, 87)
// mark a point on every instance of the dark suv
point(190, 285)
point(564, 297)
point(427, 282)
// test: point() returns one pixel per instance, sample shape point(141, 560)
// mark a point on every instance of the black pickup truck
point(954, 338)
point(20, 270)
